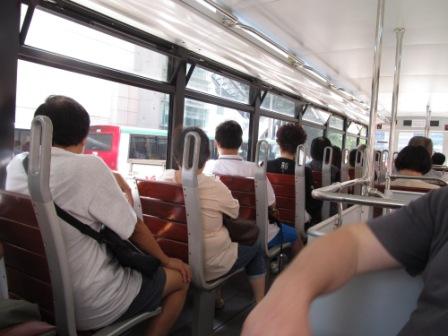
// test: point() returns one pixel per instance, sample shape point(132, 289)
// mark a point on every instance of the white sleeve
point(209, 168)
point(109, 205)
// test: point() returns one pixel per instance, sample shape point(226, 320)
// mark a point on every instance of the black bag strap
point(64, 215)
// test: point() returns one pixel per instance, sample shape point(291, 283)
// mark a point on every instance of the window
point(363, 132)
point(354, 128)
point(363, 141)
point(311, 133)
point(336, 138)
point(108, 103)
point(437, 141)
point(147, 147)
point(208, 116)
point(382, 140)
point(316, 116)
point(351, 142)
point(99, 142)
point(267, 131)
point(212, 83)
point(273, 102)
point(336, 123)
point(86, 44)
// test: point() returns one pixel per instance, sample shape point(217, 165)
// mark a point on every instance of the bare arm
point(124, 186)
point(322, 267)
point(144, 239)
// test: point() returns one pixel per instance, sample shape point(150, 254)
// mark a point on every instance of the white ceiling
point(337, 36)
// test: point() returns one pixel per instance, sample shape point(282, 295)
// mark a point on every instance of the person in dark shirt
point(289, 136)
point(318, 146)
point(438, 159)
point(337, 157)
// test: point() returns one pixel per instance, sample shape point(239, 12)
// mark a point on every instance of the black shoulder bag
point(127, 254)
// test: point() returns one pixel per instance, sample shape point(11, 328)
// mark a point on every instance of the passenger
point(228, 138)
point(318, 146)
point(104, 292)
point(352, 157)
point(290, 136)
point(438, 159)
point(221, 254)
point(427, 144)
point(413, 161)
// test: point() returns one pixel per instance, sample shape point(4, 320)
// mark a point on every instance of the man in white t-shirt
point(228, 138)
point(82, 185)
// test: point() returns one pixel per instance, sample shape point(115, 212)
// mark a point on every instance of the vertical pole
point(393, 121)
point(9, 40)
point(254, 123)
point(428, 120)
point(374, 98)
point(177, 104)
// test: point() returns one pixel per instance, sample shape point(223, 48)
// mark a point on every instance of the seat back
point(345, 176)
point(290, 193)
point(163, 210)
point(252, 195)
point(25, 260)
point(38, 185)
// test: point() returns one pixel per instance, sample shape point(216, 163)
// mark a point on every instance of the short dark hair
point(318, 146)
point(438, 159)
point(352, 157)
point(229, 135)
point(337, 156)
point(289, 136)
point(70, 120)
point(179, 141)
point(415, 158)
point(425, 142)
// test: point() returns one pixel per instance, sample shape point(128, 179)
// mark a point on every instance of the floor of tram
point(228, 321)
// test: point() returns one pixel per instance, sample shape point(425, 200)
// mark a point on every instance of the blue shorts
point(150, 296)
point(287, 233)
point(252, 259)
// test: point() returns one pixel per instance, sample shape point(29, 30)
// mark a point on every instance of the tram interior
point(368, 75)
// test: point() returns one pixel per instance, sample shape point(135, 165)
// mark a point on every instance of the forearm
point(144, 239)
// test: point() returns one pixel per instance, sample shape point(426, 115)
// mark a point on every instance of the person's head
point(422, 141)
point(438, 159)
point(179, 141)
point(352, 157)
point(70, 120)
point(289, 136)
point(318, 146)
point(337, 156)
point(413, 158)
point(362, 147)
point(229, 135)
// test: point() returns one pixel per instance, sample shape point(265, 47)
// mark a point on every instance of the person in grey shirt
point(414, 237)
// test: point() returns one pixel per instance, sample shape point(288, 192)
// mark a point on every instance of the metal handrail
point(422, 178)
point(330, 193)
point(440, 168)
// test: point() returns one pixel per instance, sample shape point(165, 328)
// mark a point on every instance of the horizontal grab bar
point(422, 178)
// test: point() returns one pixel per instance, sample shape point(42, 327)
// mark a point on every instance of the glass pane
point(437, 141)
point(354, 128)
point(335, 138)
point(337, 123)
point(92, 46)
point(382, 140)
point(351, 142)
point(150, 145)
point(363, 131)
point(362, 141)
point(405, 136)
point(217, 85)
point(119, 105)
point(99, 142)
point(267, 131)
point(311, 133)
point(208, 116)
point(279, 104)
point(317, 116)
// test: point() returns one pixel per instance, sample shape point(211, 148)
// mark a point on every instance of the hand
point(279, 313)
point(124, 187)
point(181, 267)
